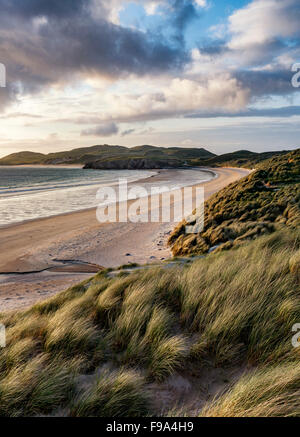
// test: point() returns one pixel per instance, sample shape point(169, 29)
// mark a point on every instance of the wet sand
point(57, 252)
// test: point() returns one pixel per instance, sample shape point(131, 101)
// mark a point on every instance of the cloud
point(61, 41)
point(127, 132)
point(37, 8)
point(263, 30)
point(181, 96)
point(177, 98)
point(262, 21)
point(185, 11)
point(147, 131)
point(267, 82)
point(103, 130)
point(258, 45)
point(180, 14)
point(8, 96)
point(152, 6)
point(53, 136)
point(19, 115)
point(201, 3)
point(282, 112)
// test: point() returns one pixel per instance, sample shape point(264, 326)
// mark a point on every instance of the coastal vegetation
point(110, 345)
point(266, 200)
point(241, 158)
point(22, 158)
point(107, 157)
point(207, 336)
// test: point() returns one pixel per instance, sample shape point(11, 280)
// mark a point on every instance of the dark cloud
point(255, 55)
point(69, 40)
point(108, 49)
point(127, 132)
point(103, 130)
point(265, 82)
point(47, 42)
point(213, 48)
point(34, 8)
point(184, 13)
point(7, 96)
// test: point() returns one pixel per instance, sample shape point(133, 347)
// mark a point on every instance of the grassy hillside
point(23, 158)
point(104, 153)
point(259, 204)
point(241, 158)
point(135, 163)
point(114, 157)
point(164, 340)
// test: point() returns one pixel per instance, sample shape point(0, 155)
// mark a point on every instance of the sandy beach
point(42, 257)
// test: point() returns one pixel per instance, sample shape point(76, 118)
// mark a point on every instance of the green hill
point(146, 156)
point(258, 204)
point(84, 154)
point(23, 158)
point(241, 158)
point(89, 155)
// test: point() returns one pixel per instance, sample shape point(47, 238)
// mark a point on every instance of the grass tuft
point(115, 394)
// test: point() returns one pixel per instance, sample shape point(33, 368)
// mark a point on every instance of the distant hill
point(140, 157)
point(87, 156)
point(241, 158)
point(23, 158)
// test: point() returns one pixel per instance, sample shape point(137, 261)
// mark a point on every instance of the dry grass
point(228, 308)
point(38, 386)
point(114, 394)
point(263, 202)
point(271, 392)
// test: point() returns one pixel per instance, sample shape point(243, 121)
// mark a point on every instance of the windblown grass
point(263, 202)
point(39, 385)
point(114, 394)
point(234, 307)
point(267, 392)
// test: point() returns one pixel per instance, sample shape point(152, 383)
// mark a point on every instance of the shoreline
point(158, 177)
point(60, 246)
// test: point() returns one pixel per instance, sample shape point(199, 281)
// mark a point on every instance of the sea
point(28, 193)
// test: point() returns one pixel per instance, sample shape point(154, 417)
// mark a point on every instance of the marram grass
point(122, 336)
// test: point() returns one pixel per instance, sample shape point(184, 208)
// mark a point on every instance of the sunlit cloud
point(77, 69)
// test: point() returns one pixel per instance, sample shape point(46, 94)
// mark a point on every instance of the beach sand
point(42, 257)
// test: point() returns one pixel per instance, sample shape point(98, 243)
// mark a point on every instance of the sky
point(189, 73)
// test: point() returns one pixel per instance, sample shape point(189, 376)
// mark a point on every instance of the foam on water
point(28, 193)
